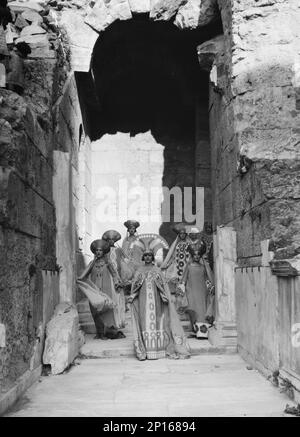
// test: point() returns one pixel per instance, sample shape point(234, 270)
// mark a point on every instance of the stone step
point(94, 348)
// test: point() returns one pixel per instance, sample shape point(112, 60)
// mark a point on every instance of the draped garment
point(99, 278)
point(157, 330)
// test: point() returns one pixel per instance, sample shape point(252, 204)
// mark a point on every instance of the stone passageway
point(108, 381)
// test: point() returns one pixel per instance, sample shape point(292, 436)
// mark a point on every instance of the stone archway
point(83, 26)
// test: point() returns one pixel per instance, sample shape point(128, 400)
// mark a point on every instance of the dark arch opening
point(144, 77)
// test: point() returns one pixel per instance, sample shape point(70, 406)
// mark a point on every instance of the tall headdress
point(151, 243)
point(100, 244)
point(111, 235)
point(194, 231)
point(129, 223)
point(179, 227)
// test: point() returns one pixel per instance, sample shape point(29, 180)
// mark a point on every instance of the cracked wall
point(255, 147)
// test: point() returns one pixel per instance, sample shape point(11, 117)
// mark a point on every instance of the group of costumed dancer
point(136, 278)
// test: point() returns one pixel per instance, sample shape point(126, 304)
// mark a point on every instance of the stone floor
point(108, 381)
point(206, 385)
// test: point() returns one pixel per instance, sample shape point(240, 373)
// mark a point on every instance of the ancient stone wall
point(29, 271)
point(255, 127)
point(27, 213)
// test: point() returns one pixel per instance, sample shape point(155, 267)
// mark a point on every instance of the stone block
point(33, 29)
point(139, 6)
point(188, 15)
point(105, 13)
point(18, 6)
point(165, 9)
point(20, 22)
point(196, 13)
point(2, 76)
point(61, 345)
point(82, 39)
point(2, 335)
point(31, 16)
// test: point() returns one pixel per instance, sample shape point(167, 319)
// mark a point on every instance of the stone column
point(224, 333)
point(65, 225)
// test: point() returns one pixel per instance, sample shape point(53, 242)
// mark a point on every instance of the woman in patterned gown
point(157, 330)
point(175, 263)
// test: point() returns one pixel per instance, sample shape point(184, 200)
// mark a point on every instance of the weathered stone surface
point(20, 22)
point(165, 9)
point(105, 13)
point(81, 338)
point(208, 12)
point(188, 15)
point(139, 6)
point(18, 6)
point(33, 29)
point(82, 39)
point(61, 345)
point(34, 40)
point(2, 76)
point(196, 13)
point(2, 335)
point(211, 51)
point(31, 16)
point(296, 82)
point(42, 53)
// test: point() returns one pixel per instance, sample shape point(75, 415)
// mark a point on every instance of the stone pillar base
point(223, 334)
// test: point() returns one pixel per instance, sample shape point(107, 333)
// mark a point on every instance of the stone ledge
point(286, 267)
point(22, 384)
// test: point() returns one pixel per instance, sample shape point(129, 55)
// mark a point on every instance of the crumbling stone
point(165, 9)
point(61, 345)
point(139, 6)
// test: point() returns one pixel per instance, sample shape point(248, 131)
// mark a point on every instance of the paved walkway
point(205, 385)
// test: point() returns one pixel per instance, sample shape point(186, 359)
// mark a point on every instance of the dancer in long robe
point(132, 251)
point(197, 280)
point(100, 283)
point(157, 330)
point(121, 265)
point(175, 263)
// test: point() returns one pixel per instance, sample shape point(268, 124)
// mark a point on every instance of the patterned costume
point(157, 330)
point(175, 263)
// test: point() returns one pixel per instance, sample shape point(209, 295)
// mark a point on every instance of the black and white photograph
point(149, 211)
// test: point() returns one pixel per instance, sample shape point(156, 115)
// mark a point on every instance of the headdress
point(194, 231)
point(151, 243)
point(100, 244)
point(199, 247)
point(179, 227)
point(111, 235)
point(129, 223)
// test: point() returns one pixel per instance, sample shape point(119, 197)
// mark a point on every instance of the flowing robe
point(198, 280)
point(98, 278)
point(157, 331)
point(117, 259)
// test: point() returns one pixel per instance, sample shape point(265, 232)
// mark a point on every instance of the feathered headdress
point(151, 243)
